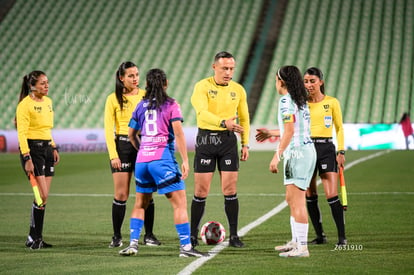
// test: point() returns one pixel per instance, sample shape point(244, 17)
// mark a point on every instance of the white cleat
point(295, 253)
point(286, 247)
point(131, 250)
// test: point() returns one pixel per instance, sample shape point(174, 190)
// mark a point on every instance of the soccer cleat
point(39, 243)
point(319, 240)
point(295, 253)
point(116, 242)
point(194, 241)
point(29, 241)
point(235, 241)
point(46, 245)
point(342, 242)
point(151, 240)
point(132, 249)
point(192, 253)
point(286, 247)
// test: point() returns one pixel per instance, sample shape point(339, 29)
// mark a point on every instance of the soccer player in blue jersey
point(298, 154)
point(158, 120)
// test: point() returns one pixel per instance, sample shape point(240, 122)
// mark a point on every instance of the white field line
point(193, 266)
point(210, 195)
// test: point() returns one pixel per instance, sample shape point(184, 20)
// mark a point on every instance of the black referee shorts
point(215, 148)
point(126, 153)
point(325, 155)
point(41, 152)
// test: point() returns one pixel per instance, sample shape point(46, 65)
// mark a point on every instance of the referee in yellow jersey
point(219, 103)
point(118, 111)
point(325, 112)
point(38, 152)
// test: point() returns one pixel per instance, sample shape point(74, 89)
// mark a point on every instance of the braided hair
point(294, 84)
point(156, 89)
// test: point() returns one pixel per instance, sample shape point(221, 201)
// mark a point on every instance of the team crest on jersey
point(328, 121)
point(233, 95)
point(326, 107)
point(212, 93)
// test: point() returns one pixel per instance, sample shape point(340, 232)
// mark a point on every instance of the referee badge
point(328, 121)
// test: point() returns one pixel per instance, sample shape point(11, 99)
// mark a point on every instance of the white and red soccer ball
point(212, 233)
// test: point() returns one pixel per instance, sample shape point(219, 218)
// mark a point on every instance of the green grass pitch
point(379, 221)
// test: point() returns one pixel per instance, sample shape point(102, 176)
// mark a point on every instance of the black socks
point(149, 218)
point(36, 221)
point(338, 215)
point(197, 211)
point(231, 207)
point(118, 215)
point(315, 215)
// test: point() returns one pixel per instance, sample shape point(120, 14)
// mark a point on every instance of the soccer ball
point(212, 233)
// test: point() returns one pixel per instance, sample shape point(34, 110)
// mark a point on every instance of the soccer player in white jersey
point(298, 154)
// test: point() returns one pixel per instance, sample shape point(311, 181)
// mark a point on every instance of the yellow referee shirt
point(34, 121)
point(214, 103)
point(324, 115)
point(116, 121)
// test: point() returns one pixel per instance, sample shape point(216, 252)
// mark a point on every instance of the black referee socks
point(231, 207)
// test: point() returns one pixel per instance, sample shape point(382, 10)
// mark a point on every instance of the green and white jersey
point(289, 112)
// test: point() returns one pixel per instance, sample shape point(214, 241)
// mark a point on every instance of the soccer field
point(379, 222)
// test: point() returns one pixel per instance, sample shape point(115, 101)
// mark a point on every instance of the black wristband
point(342, 152)
point(223, 124)
point(26, 158)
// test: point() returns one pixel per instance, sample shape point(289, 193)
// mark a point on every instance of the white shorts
point(299, 165)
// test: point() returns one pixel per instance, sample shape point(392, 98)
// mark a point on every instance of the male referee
point(219, 102)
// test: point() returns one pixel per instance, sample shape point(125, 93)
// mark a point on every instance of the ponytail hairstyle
point(119, 85)
point(29, 81)
point(316, 72)
point(293, 80)
point(156, 89)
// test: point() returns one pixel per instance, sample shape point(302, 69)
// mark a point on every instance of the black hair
point(156, 80)
point(316, 72)
point(294, 84)
point(28, 82)
point(223, 54)
point(119, 85)
point(404, 117)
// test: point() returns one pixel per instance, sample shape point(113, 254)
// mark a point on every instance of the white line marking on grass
point(193, 266)
point(241, 195)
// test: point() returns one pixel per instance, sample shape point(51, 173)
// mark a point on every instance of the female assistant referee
point(38, 152)
point(325, 112)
